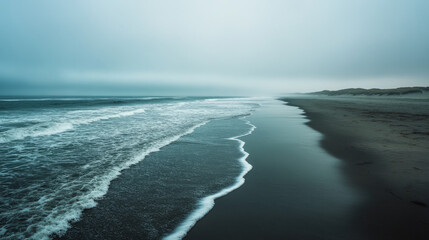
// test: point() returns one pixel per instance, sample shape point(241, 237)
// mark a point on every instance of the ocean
point(117, 167)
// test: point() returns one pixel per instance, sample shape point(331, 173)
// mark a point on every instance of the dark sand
point(376, 187)
point(384, 143)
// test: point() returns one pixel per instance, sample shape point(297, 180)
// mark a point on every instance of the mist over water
point(221, 47)
point(64, 140)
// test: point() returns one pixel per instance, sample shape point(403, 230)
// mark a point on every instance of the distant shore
point(414, 92)
point(384, 145)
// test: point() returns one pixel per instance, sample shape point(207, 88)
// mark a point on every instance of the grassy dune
point(375, 91)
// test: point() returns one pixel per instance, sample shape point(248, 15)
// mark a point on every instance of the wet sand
point(384, 145)
point(364, 177)
point(296, 190)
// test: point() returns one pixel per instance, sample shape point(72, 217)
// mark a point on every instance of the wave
point(58, 221)
point(51, 212)
point(105, 117)
point(207, 203)
point(61, 103)
point(44, 129)
point(78, 99)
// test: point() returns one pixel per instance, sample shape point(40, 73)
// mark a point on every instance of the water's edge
point(105, 142)
point(207, 203)
point(69, 219)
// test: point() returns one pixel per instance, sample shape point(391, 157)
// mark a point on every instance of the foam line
point(207, 203)
point(59, 223)
point(45, 129)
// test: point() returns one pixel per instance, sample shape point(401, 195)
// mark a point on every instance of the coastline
point(207, 203)
point(176, 184)
point(382, 144)
point(294, 191)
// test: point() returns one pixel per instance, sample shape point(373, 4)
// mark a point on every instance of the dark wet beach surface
point(294, 191)
point(378, 139)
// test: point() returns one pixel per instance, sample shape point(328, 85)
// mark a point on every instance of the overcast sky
point(221, 47)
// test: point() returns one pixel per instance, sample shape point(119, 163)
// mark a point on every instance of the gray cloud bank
point(211, 47)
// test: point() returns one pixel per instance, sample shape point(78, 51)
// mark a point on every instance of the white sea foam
point(37, 130)
point(59, 220)
point(43, 129)
point(62, 202)
point(109, 116)
point(207, 203)
point(75, 99)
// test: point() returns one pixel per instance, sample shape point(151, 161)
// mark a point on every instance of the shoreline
point(207, 203)
point(70, 220)
point(381, 159)
point(294, 191)
point(189, 201)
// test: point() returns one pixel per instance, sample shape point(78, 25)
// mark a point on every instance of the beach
point(214, 168)
point(214, 120)
point(295, 189)
point(376, 149)
point(383, 143)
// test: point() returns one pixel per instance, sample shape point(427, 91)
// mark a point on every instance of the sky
point(221, 47)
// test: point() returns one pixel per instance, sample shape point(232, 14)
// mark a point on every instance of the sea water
point(117, 168)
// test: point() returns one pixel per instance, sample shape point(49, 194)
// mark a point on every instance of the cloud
point(273, 45)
